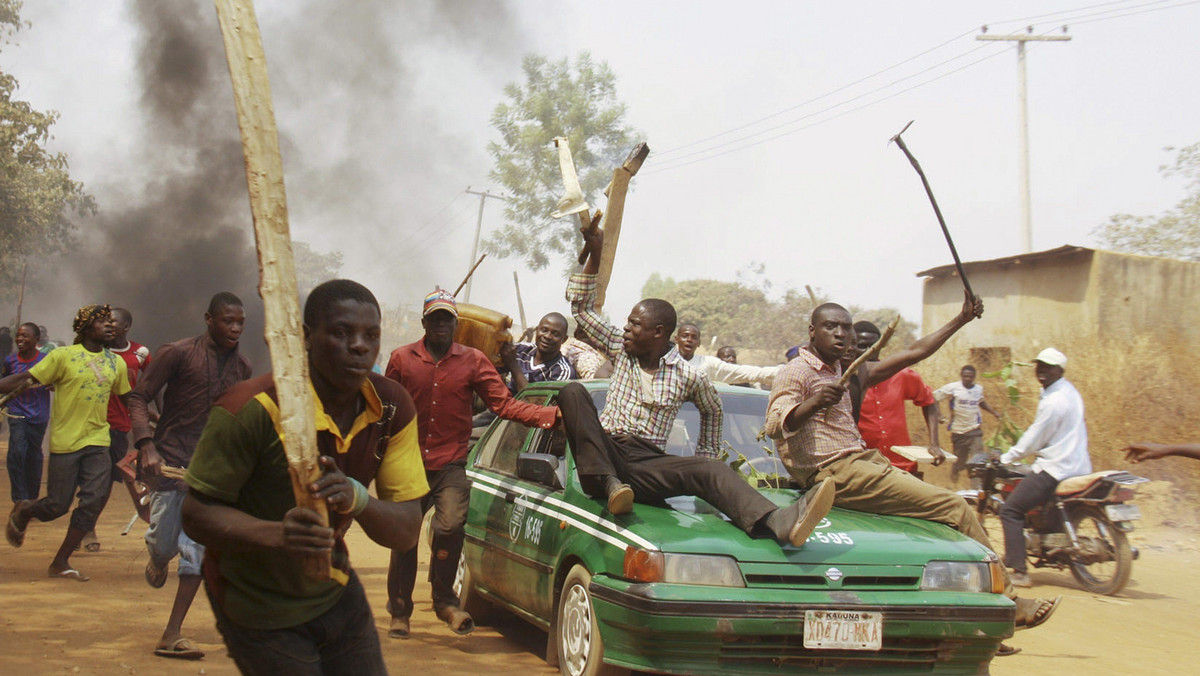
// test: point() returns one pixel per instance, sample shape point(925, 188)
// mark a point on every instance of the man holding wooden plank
point(275, 618)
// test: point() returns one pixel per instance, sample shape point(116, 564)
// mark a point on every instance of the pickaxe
point(929, 191)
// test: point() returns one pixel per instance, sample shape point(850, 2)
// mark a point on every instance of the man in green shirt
point(274, 618)
point(84, 376)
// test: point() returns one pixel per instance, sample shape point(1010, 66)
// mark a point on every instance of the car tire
point(469, 599)
point(577, 633)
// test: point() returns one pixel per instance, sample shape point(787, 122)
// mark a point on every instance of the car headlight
point(647, 566)
point(963, 576)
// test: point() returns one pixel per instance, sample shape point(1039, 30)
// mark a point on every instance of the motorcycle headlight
point(962, 576)
point(646, 566)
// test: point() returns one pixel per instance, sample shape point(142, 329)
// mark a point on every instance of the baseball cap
point(439, 299)
point(1052, 357)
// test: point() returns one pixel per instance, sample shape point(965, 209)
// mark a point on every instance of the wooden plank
point(615, 212)
point(277, 273)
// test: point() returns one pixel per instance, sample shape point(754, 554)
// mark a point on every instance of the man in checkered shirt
point(619, 454)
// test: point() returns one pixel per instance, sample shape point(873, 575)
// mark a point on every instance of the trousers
point(87, 469)
point(25, 458)
point(652, 474)
point(1031, 492)
point(449, 495)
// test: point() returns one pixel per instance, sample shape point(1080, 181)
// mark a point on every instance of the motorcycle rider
point(1058, 437)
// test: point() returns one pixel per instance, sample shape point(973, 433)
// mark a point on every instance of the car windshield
point(744, 416)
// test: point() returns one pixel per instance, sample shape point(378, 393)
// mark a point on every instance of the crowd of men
point(204, 435)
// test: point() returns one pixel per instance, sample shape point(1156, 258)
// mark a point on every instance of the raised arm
point(712, 418)
point(581, 294)
point(886, 368)
point(724, 372)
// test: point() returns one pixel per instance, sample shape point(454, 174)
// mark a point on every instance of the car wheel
point(469, 598)
point(580, 648)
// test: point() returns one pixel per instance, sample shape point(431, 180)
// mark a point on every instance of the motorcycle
point(1082, 529)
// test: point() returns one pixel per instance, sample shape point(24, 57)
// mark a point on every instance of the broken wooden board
point(277, 273)
point(615, 212)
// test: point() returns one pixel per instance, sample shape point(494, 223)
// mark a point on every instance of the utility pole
point(478, 226)
point(1023, 119)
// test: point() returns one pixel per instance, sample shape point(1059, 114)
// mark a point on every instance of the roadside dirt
point(110, 624)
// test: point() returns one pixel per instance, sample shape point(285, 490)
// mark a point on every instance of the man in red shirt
point(441, 376)
point(882, 421)
point(137, 359)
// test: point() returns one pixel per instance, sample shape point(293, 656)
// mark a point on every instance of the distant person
point(274, 617)
point(728, 354)
point(585, 356)
point(31, 414)
point(136, 357)
point(687, 340)
point(792, 353)
point(189, 375)
point(441, 376)
point(966, 423)
point(45, 345)
point(541, 360)
point(882, 420)
point(6, 342)
point(83, 375)
point(1058, 438)
point(1136, 453)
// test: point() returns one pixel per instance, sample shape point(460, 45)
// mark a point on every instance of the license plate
point(842, 630)
point(1123, 512)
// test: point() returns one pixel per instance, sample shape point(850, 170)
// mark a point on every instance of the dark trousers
point(342, 641)
point(118, 446)
point(24, 459)
point(86, 469)
point(449, 495)
point(652, 474)
point(965, 446)
point(1031, 492)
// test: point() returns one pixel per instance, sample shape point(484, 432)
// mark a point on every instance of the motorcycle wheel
point(1105, 577)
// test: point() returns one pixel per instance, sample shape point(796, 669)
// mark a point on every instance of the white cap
point(1052, 357)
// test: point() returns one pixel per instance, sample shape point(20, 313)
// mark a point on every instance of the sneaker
point(620, 496)
point(1020, 579)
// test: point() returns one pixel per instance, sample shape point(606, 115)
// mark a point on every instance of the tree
point(557, 98)
point(1175, 233)
point(313, 268)
point(37, 195)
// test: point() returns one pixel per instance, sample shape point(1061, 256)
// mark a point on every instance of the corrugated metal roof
point(1061, 252)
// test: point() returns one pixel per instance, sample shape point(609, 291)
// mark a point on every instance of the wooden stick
point(871, 352)
point(616, 191)
point(469, 273)
point(520, 304)
point(277, 273)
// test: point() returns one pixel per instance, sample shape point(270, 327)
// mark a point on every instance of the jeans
point(1031, 492)
point(342, 641)
point(449, 495)
point(87, 469)
point(25, 458)
point(165, 537)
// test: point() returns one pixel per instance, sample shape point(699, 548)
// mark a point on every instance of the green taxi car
point(676, 588)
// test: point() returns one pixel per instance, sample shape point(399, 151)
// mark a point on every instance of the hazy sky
point(384, 108)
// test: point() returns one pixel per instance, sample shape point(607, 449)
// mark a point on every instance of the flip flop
point(180, 649)
point(70, 574)
point(91, 543)
point(1043, 612)
point(1005, 650)
point(14, 535)
point(155, 577)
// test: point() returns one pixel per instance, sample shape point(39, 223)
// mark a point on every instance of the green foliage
point(1175, 233)
point(1007, 432)
point(37, 195)
point(313, 268)
point(557, 98)
point(740, 313)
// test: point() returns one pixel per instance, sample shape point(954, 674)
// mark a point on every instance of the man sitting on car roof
point(619, 455)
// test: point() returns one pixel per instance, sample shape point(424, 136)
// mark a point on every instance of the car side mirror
point(540, 468)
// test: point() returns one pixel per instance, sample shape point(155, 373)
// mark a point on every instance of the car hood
point(690, 525)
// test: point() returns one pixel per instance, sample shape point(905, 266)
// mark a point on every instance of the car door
point(501, 524)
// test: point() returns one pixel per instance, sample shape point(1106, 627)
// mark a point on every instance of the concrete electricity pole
point(478, 226)
point(1023, 121)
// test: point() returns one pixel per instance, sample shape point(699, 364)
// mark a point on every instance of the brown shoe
point(399, 628)
point(457, 619)
point(620, 496)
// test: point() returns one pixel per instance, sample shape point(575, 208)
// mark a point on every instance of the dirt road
point(110, 625)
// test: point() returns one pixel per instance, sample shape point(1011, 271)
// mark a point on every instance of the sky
point(767, 122)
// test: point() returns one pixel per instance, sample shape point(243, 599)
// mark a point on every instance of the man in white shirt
point(687, 339)
point(966, 423)
point(1058, 437)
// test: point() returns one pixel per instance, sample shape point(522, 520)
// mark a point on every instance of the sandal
point(91, 543)
point(457, 619)
point(180, 649)
point(13, 533)
point(69, 574)
point(1005, 650)
point(155, 577)
point(1041, 611)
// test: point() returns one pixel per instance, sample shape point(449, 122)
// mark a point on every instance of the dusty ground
point(110, 625)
